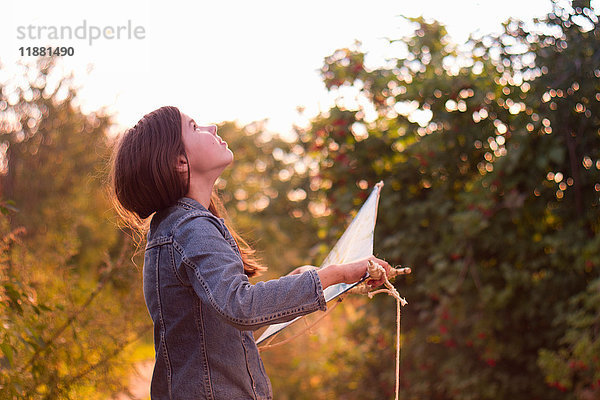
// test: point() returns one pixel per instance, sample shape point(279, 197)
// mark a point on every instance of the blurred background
point(481, 118)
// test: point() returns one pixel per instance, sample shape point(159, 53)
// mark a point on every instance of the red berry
point(491, 362)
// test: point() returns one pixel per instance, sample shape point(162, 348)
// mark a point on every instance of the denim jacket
point(204, 309)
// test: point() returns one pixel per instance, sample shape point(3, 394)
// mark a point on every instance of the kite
point(356, 243)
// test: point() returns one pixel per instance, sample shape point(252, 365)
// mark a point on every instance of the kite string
point(376, 271)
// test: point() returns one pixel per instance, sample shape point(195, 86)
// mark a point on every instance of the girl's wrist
point(330, 275)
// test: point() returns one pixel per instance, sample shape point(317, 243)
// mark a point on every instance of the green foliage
point(266, 197)
point(490, 157)
point(70, 300)
point(575, 366)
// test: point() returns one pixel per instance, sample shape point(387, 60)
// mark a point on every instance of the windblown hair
point(144, 177)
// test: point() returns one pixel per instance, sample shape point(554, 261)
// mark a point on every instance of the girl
point(196, 267)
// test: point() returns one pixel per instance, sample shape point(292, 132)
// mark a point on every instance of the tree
point(71, 303)
point(267, 198)
point(488, 153)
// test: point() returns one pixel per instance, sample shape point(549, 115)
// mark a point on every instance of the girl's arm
point(345, 273)
point(204, 258)
point(215, 271)
point(350, 272)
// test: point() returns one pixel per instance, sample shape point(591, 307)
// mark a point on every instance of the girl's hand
point(351, 272)
point(356, 270)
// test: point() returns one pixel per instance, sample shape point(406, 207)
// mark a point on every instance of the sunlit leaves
point(489, 155)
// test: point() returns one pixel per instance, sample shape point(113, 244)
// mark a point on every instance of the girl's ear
point(182, 164)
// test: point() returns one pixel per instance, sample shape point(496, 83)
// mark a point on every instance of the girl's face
point(207, 153)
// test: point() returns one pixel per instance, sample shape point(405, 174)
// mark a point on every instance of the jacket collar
point(189, 203)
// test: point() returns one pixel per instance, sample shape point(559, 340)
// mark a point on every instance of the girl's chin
point(229, 160)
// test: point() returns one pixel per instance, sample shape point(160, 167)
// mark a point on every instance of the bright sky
point(228, 60)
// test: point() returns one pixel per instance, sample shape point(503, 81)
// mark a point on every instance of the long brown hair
point(144, 178)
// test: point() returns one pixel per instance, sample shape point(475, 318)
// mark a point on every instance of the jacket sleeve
point(216, 273)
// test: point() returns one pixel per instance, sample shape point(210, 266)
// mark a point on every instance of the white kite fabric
point(356, 243)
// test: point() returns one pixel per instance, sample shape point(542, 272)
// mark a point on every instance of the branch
point(101, 284)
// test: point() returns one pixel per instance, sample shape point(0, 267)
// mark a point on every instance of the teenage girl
point(196, 267)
